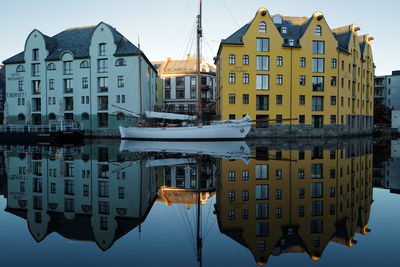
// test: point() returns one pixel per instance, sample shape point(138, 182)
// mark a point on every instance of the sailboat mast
point(199, 35)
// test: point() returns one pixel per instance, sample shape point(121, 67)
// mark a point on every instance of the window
point(102, 65)
point(68, 67)
point(120, 62)
point(245, 195)
point(231, 214)
point(317, 65)
point(333, 80)
point(316, 189)
point(35, 54)
point(278, 212)
point(84, 64)
point(301, 211)
point(51, 66)
point(245, 175)
point(333, 119)
point(102, 49)
point(245, 214)
point(262, 82)
point(316, 208)
point(245, 60)
point(332, 192)
point(232, 99)
point(102, 84)
point(302, 100)
point(231, 196)
point(104, 207)
point(261, 230)
point(333, 63)
point(279, 99)
point(121, 81)
point(262, 62)
point(301, 193)
point(51, 84)
point(332, 209)
point(318, 83)
point(231, 176)
point(261, 210)
point(85, 116)
point(318, 47)
point(68, 187)
point(245, 78)
point(302, 62)
point(68, 103)
point(301, 174)
point(317, 103)
point(333, 100)
point(316, 171)
point(262, 102)
point(262, 44)
point(35, 69)
point(262, 27)
point(261, 172)
point(68, 86)
point(283, 30)
point(279, 61)
point(318, 30)
point(232, 59)
point(278, 194)
point(20, 68)
point(245, 99)
point(316, 227)
point(232, 116)
point(279, 79)
point(302, 80)
point(85, 83)
point(121, 192)
point(232, 77)
point(103, 189)
point(278, 174)
point(102, 102)
point(291, 42)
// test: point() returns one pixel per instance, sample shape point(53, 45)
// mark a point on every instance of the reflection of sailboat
point(223, 149)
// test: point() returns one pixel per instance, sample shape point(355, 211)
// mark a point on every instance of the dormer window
point(291, 42)
point(84, 64)
point(262, 27)
point(20, 68)
point(51, 66)
point(102, 49)
point(318, 30)
point(35, 54)
point(120, 62)
point(283, 30)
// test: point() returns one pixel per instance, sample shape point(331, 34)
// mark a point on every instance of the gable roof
point(77, 41)
point(343, 35)
point(237, 37)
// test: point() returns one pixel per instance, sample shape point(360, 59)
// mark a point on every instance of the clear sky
point(166, 27)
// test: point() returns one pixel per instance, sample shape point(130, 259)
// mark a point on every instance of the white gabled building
point(80, 74)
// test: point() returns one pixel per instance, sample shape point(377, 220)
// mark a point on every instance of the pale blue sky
point(166, 26)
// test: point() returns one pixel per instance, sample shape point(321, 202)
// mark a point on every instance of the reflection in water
point(272, 198)
point(296, 198)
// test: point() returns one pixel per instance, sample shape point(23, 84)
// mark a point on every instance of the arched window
point(86, 208)
point(20, 68)
point(52, 116)
point(85, 116)
point(262, 27)
point(318, 30)
point(51, 66)
point(21, 117)
point(121, 211)
point(85, 64)
point(120, 116)
point(120, 62)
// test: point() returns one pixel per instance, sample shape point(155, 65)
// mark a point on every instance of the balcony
point(68, 90)
point(103, 107)
point(103, 89)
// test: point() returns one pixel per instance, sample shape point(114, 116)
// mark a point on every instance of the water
point(304, 202)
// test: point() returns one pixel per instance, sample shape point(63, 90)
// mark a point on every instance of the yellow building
point(296, 199)
point(296, 74)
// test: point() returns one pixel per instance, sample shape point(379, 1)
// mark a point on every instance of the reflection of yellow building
point(278, 67)
point(296, 199)
point(170, 196)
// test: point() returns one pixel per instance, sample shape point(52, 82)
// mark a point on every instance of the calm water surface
point(307, 202)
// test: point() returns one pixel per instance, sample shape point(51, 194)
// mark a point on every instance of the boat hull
point(225, 131)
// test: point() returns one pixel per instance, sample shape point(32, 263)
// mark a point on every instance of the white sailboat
point(217, 130)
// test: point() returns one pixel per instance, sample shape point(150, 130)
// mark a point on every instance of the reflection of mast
point(199, 239)
point(199, 33)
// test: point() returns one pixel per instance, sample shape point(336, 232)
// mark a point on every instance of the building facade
point(295, 75)
point(179, 86)
point(81, 74)
point(2, 91)
point(387, 90)
point(296, 198)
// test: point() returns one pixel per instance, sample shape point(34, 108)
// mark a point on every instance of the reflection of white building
point(89, 196)
point(79, 74)
point(387, 175)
